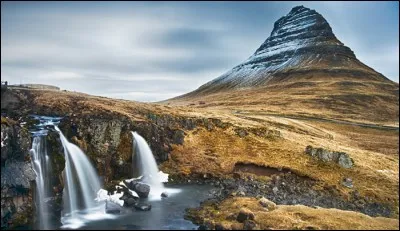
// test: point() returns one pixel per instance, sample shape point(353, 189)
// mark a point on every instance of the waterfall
point(41, 166)
point(147, 165)
point(81, 184)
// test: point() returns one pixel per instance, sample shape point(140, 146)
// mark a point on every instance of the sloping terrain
point(302, 69)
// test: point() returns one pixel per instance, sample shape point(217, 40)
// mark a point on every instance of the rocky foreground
point(246, 213)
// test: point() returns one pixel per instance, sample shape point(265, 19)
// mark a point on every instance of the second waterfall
point(81, 186)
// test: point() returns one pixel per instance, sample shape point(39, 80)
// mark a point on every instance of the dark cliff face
point(17, 175)
point(300, 41)
point(108, 141)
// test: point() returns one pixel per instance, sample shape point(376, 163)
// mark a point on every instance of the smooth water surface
point(167, 213)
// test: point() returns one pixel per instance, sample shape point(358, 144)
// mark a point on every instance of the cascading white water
point(41, 166)
point(80, 187)
point(147, 165)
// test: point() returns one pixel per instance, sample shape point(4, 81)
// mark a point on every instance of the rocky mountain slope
point(303, 65)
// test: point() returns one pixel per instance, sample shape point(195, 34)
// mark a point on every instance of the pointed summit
point(302, 68)
point(301, 41)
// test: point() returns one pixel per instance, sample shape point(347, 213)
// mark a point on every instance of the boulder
point(347, 182)
point(267, 204)
point(129, 202)
point(345, 161)
point(164, 194)
point(324, 155)
point(131, 184)
point(245, 214)
point(142, 207)
point(241, 132)
point(275, 190)
point(222, 226)
point(142, 189)
point(249, 225)
point(112, 208)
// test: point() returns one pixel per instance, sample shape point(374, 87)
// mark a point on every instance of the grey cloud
point(130, 49)
point(189, 38)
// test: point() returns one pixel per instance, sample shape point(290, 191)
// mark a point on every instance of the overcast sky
point(151, 51)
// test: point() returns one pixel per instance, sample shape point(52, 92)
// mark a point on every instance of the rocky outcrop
point(341, 158)
point(267, 204)
point(107, 140)
point(17, 175)
point(15, 141)
point(245, 214)
point(291, 189)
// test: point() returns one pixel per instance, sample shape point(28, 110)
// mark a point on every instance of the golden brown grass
point(287, 217)
point(363, 101)
point(216, 152)
point(375, 174)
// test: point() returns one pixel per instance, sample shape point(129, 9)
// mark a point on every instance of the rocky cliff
point(17, 175)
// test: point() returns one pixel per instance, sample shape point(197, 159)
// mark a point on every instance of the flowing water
point(165, 214)
point(148, 169)
point(40, 161)
point(81, 184)
point(42, 166)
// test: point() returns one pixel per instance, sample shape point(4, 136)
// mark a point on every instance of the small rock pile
point(341, 158)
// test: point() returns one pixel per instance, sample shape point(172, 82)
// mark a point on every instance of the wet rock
point(143, 207)
point(112, 208)
point(347, 182)
point(129, 202)
point(17, 174)
point(249, 225)
point(142, 189)
point(275, 190)
point(245, 214)
point(131, 184)
point(267, 204)
point(164, 194)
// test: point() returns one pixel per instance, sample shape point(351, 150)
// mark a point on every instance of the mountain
point(302, 57)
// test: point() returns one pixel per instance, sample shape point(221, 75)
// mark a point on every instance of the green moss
point(8, 121)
